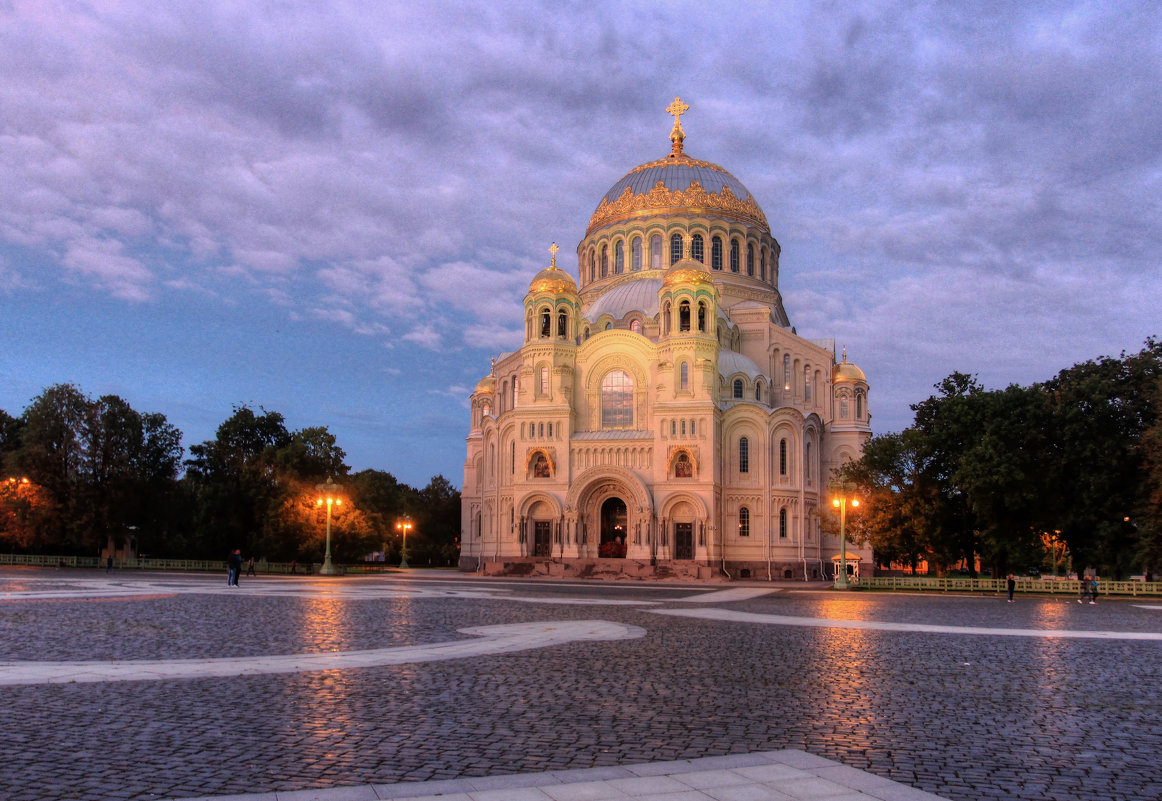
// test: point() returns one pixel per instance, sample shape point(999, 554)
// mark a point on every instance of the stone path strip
point(788, 775)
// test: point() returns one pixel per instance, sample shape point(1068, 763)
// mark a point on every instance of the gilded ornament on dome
point(694, 197)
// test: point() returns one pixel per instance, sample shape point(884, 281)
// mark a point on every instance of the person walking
point(233, 567)
point(1011, 585)
point(1093, 591)
point(250, 567)
point(1084, 591)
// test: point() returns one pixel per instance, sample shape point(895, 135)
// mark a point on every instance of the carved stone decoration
point(693, 198)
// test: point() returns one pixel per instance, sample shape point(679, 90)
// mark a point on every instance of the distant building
point(663, 412)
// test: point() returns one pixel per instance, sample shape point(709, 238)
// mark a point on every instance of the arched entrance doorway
point(613, 528)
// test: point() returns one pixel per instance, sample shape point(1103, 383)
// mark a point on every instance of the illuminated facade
point(662, 416)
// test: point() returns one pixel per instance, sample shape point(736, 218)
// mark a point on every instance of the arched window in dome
point(763, 264)
point(758, 391)
point(734, 255)
point(604, 260)
point(619, 258)
point(743, 455)
point(635, 249)
point(702, 318)
point(696, 248)
point(617, 400)
point(716, 253)
point(744, 522)
point(636, 326)
point(750, 260)
point(684, 376)
point(592, 266)
point(563, 325)
point(738, 389)
point(675, 249)
point(656, 252)
point(546, 324)
point(684, 316)
point(609, 326)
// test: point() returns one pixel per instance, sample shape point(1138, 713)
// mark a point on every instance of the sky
point(333, 210)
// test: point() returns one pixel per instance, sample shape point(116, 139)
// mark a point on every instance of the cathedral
point(663, 417)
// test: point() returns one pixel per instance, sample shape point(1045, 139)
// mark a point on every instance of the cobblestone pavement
point(965, 697)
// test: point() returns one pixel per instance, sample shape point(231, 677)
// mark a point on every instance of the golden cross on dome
point(553, 249)
point(677, 135)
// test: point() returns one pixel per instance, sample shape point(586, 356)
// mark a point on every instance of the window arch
point(696, 248)
point(786, 372)
point(592, 266)
point(684, 316)
point(656, 252)
point(617, 400)
point(619, 258)
point(807, 383)
point(562, 325)
point(604, 260)
point(702, 318)
point(859, 405)
point(675, 248)
point(783, 523)
point(807, 462)
point(743, 455)
point(734, 255)
point(782, 457)
point(763, 264)
point(636, 326)
point(737, 389)
point(744, 522)
point(635, 250)
point(716, 253)
point(843, 408)
point(684, 376)
point(546, 324)
point(758, 391)
point(750, 260)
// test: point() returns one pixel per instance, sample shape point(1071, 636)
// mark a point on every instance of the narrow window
point(691, 428)
point(786, 372)
point(696, 248)
point(666, 319)
point(750, 260)
point(738, 389)
point(807, 383)
point(743, 455)
point(592, 267)
point(702, 317)
point(515, 390)
point(675, 249)
point(546, 324)
point(541, 430)
point(684, 375)
point(744, 522)
point(636, 253)
point(683, 428)
point(783, 524)
point(859, 405)
point(684, 316)
point(544, 380)
point(604, 260)
point(656, 252)
point(550, 430)
point(843, 408)
point(562, 325)
point(807, 462)
point(758, 391)
point(673, 428)
point(763, 265)
point(734, 255)
point(716, 253)
point(618, 258)
point(782, 457)
point(512, 459)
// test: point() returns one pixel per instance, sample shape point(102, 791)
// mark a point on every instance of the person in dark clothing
point(233, 567)
point(1011, 584)
point(250, 567)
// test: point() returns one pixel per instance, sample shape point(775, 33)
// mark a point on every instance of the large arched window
point(684, 316)
point(743, 455)
point(744, 522)
point(619, 258)
point(734, 255)
point(617, 400)
point(716, 253)
point(635, 253)
point(750, 260)
point(684, 375)
point(656, 252)
point(675, 248)
point(782, 457)
point(696, 248)
point(738, 389)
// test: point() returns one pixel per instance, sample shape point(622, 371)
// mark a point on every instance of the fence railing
point(151, 563)
point(1049, 586)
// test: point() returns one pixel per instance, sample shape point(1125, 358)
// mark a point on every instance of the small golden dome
point(847, 373)
point(486, 384)
point(687, 271)
point(553, 280)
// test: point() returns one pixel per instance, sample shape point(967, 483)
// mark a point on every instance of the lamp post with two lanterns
point(404, 526)
point(329, 494)
point(842, 498)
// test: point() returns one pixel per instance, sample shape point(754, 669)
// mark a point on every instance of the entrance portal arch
point(609, 503)
point(614, 528)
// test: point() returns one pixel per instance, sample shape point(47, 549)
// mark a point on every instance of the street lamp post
point(329, 494)
point(404, 526)
point(841, 500)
